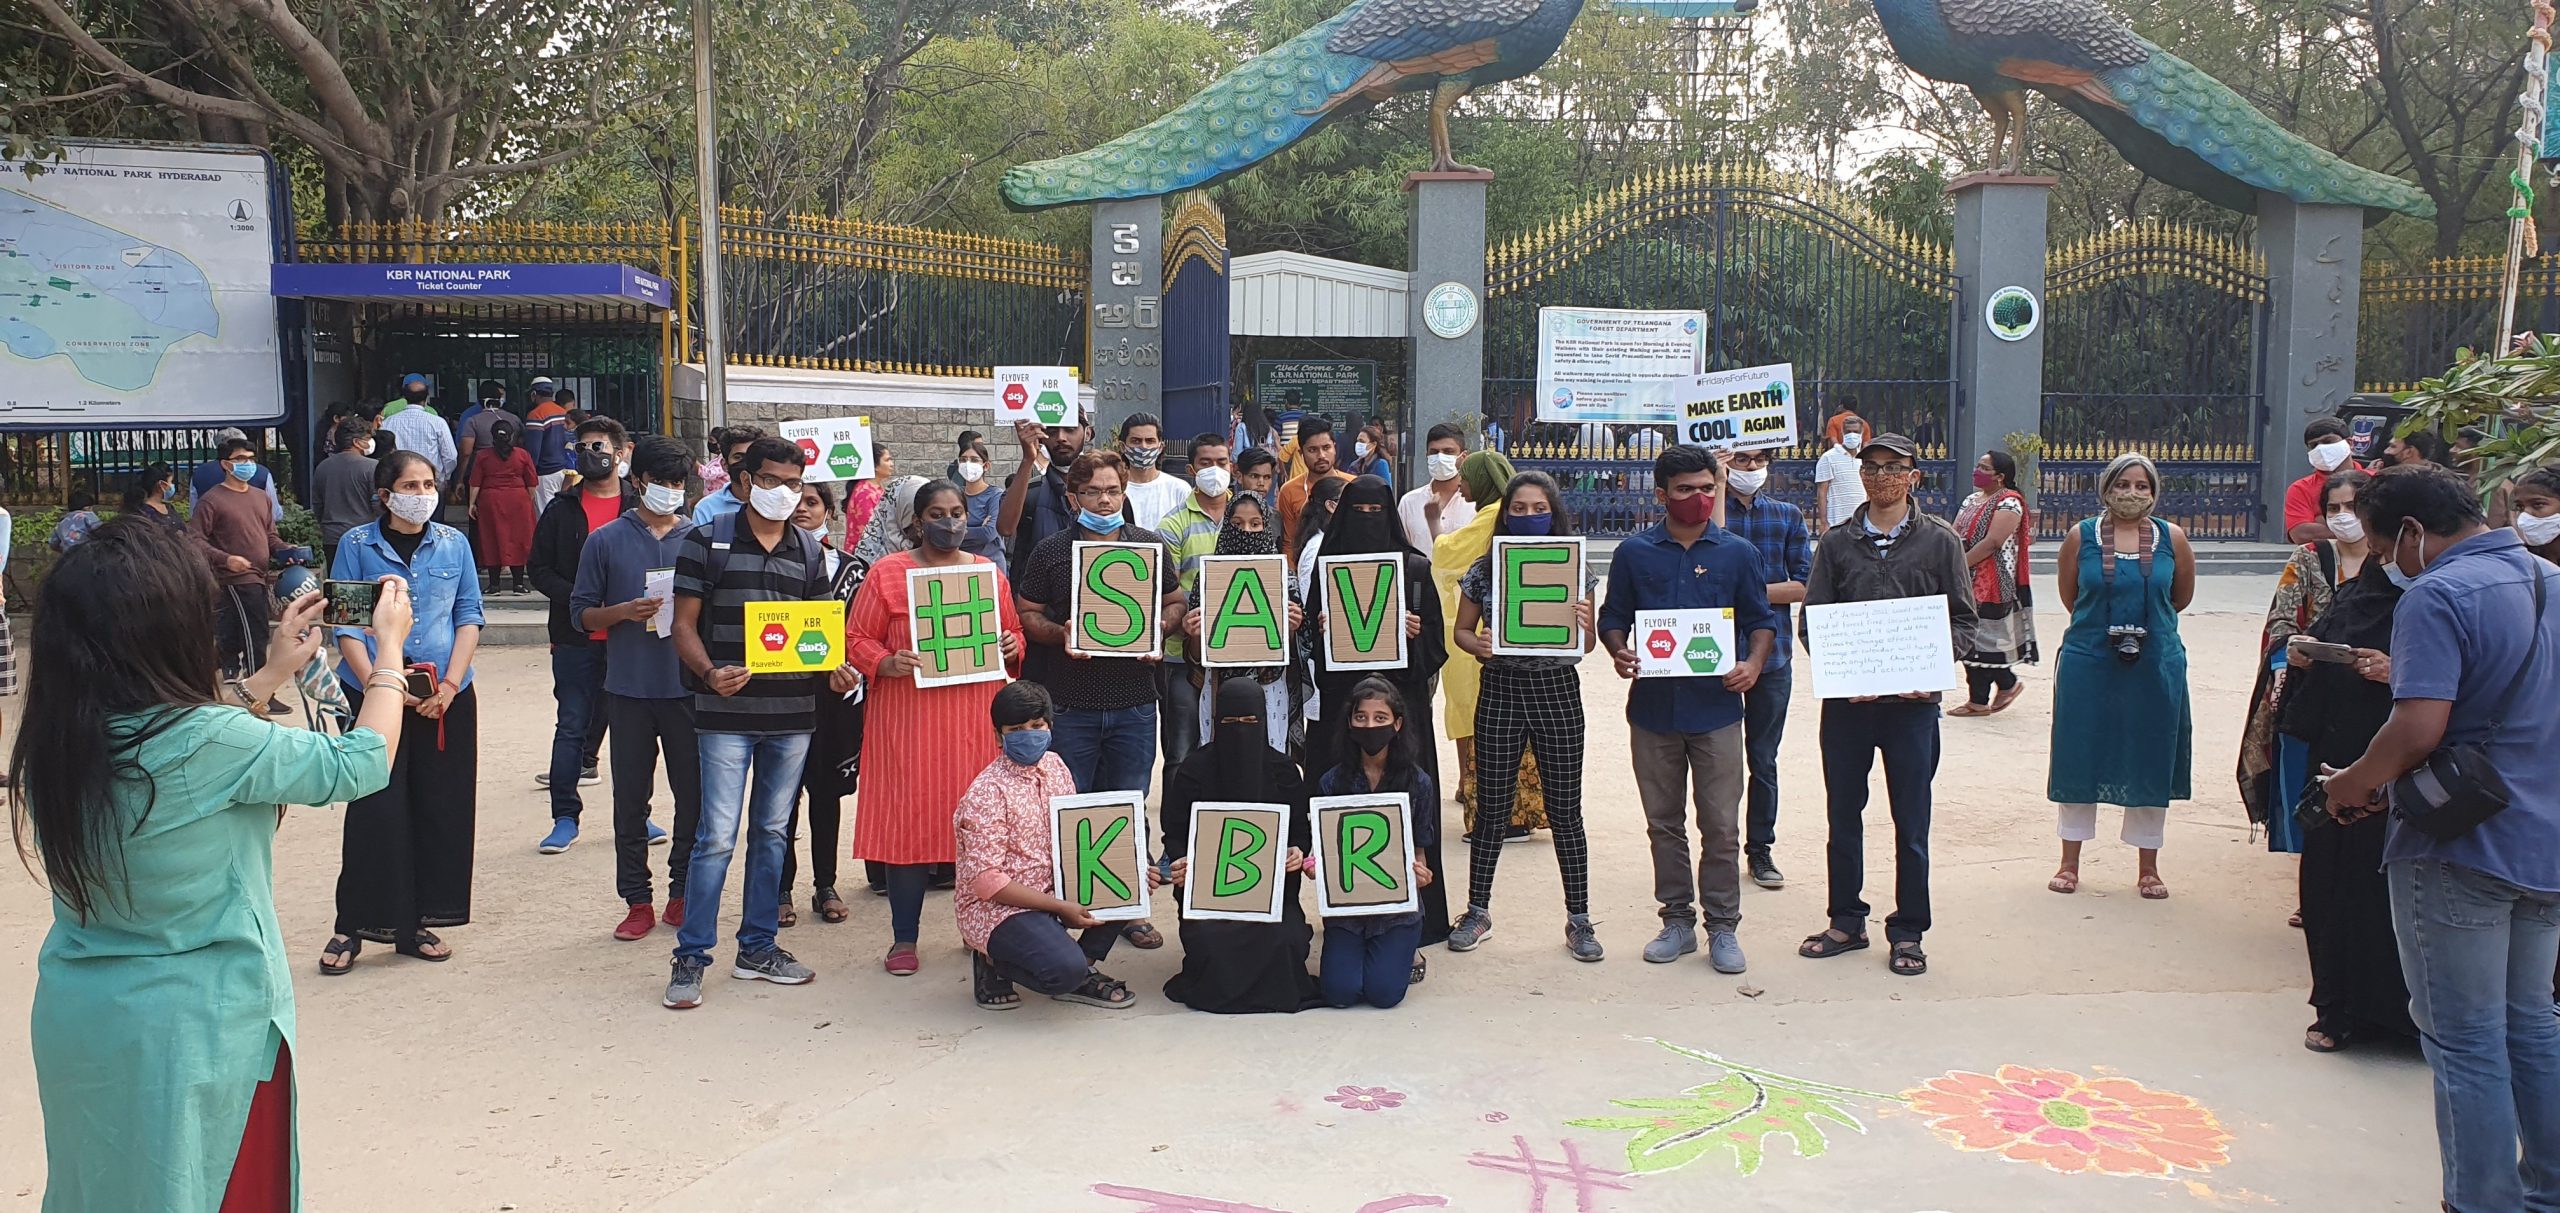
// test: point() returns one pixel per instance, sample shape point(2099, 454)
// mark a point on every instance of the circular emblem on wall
point(2012, 313)
point(1449, 310)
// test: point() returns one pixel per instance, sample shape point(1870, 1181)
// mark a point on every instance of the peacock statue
point(2168, 117)
point(1363, 55)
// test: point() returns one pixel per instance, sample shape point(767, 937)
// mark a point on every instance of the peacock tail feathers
point(1267, 103)
point(2181, 105)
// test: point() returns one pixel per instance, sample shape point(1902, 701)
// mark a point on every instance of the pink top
point(1002, 834)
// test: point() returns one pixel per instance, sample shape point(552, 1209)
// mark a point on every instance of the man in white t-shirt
point(1437, 508)
point(1152, 491)
point(1837, 491)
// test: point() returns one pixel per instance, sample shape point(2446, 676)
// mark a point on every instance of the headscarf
point(1234, 540)
point(1313, 520)
point(1483, 475)
point(1451, 556)
point(1354, 532)
point(887, 531)
point(1242, 746)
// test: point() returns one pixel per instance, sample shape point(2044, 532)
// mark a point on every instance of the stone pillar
point(1444, 309)
point(2000, 246)
point(2315, 265)
point(1124, 323)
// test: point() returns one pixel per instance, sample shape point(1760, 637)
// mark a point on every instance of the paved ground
point(537, 1072)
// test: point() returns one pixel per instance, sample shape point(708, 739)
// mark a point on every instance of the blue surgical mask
point(245, 469)
point(1099, 524)
point(1528, 524)
point(2391, 569)
point(1023, 747)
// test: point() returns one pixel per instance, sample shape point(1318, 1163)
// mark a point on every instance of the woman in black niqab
point(1241, 968)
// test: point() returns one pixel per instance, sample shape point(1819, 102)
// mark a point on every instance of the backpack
point(724, 531)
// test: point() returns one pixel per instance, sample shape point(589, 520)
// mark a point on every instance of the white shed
point(1298, 295)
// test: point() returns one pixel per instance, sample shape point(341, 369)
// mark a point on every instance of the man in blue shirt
point(1786, 558)
point(1686, 731)
point(2473, 657)
point(733, 498)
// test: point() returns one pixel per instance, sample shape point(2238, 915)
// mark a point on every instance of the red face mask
point(1692, 509)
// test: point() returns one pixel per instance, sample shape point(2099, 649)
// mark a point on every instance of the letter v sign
point(1364, 618)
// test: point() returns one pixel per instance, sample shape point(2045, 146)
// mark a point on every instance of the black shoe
point(1516, 833)
point(1766, 874)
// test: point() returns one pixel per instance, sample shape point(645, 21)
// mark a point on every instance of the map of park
point(111, 302)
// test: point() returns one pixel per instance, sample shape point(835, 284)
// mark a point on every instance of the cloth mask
point(971, 471)
point(662, 499)
point(2129, 503)
point(1025, 746)
point(2330, 456)
point(1851, 442)
point(1144, 456)
point(945, 534)
point(594, 465)
point(1213, 481)
point(1443, 465)
point(246, 469)
point(774, 504)
point(1747, 482)
point(1985, 479)
point(1688, 511)
point(2536, 529)
point(1373, 738)
point(413, 507)
point(1099, 524)
point(1529, 524)
point(2349, 528)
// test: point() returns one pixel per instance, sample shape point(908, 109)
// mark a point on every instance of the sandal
point(1969, 709)
point(1100, 991)
point(343, 945)
point(786, 916)
point(1908, 960)
point(1143, 936)
point(994, 991)
point(1830, 942)
point(417, 944)
point(2000, 702)
point(2065, 881)
point(2295, 921)
point(2153, 888)
point(1421, 969)
point(2319, 1040)
point(830, 908)
point(902, 960)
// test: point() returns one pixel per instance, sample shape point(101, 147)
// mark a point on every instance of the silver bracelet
point(374, 682)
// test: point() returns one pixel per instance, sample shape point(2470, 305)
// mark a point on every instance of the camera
point(2127, 639)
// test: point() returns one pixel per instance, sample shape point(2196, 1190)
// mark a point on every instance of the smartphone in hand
point(2321, 650)
point(350, 603)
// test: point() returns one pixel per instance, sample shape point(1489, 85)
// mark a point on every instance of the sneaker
point(1724, 951)
point(1678, 939)
point(674, 917)
point(773, 965)
point(637, 923)
point(684, 983)
point(1766, 874)
point(657, 834)
point(1516, 833)
point(588, 777)
point(1472, 927)
point(542, 779)
point(564, 831)
point(1579, 939)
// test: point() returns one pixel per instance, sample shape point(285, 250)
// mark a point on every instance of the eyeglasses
point(1096, 493)
point(600, 447)
point(765, 481)
point(1885, 470)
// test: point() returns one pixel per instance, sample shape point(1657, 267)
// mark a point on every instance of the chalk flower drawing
point(1735, 1116)
point(2071, 1124)
point(1367, 1099)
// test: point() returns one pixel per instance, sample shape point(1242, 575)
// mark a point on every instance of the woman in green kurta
point(162, 1000)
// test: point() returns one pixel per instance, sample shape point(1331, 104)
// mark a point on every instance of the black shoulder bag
point(2457, 787)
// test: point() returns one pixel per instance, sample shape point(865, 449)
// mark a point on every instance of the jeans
point(2478, 954)
point(1375, 969)
point(907, 883)
point(1764, 725)
point(1178, 714)
point(1906, 731)
point(1033, 948)
point(1112, 750)
point(642, 729)
point(243, 628)
point(577, 682)
point(1668, 768)
point(725, 760)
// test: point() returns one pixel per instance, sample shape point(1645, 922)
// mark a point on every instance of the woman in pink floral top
point(1014, 924)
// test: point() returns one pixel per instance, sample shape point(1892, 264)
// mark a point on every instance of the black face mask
point(595, 465)
point(1373, 739)
point(944, 534)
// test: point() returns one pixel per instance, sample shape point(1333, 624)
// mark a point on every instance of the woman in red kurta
point(502, 480)
point(935, 738)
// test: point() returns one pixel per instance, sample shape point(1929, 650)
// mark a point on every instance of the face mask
point(2391, 562)
point(971, 471)
point(774, 504)
point(245, 469)
point(1373, 739)
point(1213, 481)
point(1529, 524)
point(1025, 746)
point(2330, 456)
point(2535, 530)
point(2128, 503)
point(945, 534)
point(365, 448)
point(1359, 450)
point(1444, 466)
point(1985, 479)
point(594, 465)
point(413, 508)
point(1851, 442)
point(1144, 456)
point(662, 499)
point(1687, 511)
point(2347, 527)
point(1099, 524)
point(621, 468)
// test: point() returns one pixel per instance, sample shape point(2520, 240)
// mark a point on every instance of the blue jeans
point(2478, 954)
point(1107, 751)
point(725, 759)
point(1375, 969)
point(1764, 725)
point(577, 681)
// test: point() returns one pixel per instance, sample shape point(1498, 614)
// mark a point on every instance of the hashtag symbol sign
point(1546, 1176)
point(946, 628)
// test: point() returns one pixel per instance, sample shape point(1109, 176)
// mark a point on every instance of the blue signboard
point(545, 283)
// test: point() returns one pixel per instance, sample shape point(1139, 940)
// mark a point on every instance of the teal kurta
point(2123, 733)
point(156, 1019)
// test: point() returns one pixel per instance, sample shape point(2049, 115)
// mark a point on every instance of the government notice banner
point(1592, 361)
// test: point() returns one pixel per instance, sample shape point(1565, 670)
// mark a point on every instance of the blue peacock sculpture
point(1363, 55)
point(2168, 117)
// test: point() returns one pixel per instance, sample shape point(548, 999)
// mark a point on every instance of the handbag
point(2457, 788)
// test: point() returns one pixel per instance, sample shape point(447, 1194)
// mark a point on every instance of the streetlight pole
point(706, 186)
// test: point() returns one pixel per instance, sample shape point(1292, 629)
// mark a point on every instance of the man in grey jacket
point(1887, 549)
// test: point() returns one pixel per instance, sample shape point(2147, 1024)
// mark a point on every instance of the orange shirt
point(1292, 501)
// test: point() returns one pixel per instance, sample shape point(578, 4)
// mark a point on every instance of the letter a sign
point(1098, 855)
point(1363, 855)
point(1236, 855)
point(1244, 609)
point(955, 626)
point(1535, 584)
point(1115, 601)
point(1363, 612)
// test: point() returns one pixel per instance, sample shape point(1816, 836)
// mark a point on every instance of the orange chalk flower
point(2072, 1124)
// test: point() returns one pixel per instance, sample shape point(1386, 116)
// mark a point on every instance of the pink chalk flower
point(1367, 1099)
point(2071, 1124)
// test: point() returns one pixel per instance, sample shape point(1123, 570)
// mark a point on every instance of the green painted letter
point(1365, 618)
point(1096, 585)
point(1364, 834)
point(1090, 867)
point(1236, 871)
point(1247, 605)
point(1517, 593)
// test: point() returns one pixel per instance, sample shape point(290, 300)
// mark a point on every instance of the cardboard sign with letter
point(795, 637)
point(1046, 394)
point(1244, 611)
point(1536, 581)
point(1693, 643)
point(836, 449)
point(1236, 855)
point(1363, 612)
point(954, 625)
point(1364, 855)
point(1098, 855)
point(1115, 600)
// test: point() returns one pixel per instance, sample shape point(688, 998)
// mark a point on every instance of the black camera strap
point(2515, 685)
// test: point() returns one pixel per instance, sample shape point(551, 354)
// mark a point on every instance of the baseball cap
point(543, 383)
point(413, 381)
point(1895, 443)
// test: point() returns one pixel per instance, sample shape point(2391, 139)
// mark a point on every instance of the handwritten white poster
point(660, 584)
point(1692, 643)
point(1886, 647)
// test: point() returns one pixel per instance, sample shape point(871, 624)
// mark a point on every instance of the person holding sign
point(1191, 529)
point(2123, 731)
point(904, 642)
point(1374, 958)
point(1532, 704)
point(1686, 730)
point(1885, 549)
point(1481, 477)
point(1256, 608)
point(1239, 968)
point(1351, 612)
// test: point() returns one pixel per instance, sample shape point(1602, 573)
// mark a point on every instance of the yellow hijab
point(1451, 556)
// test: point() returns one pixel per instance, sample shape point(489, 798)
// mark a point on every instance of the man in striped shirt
point(1192, 531)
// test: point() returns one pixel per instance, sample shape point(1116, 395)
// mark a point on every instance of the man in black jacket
point(601, 451)
point(1887, 549)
